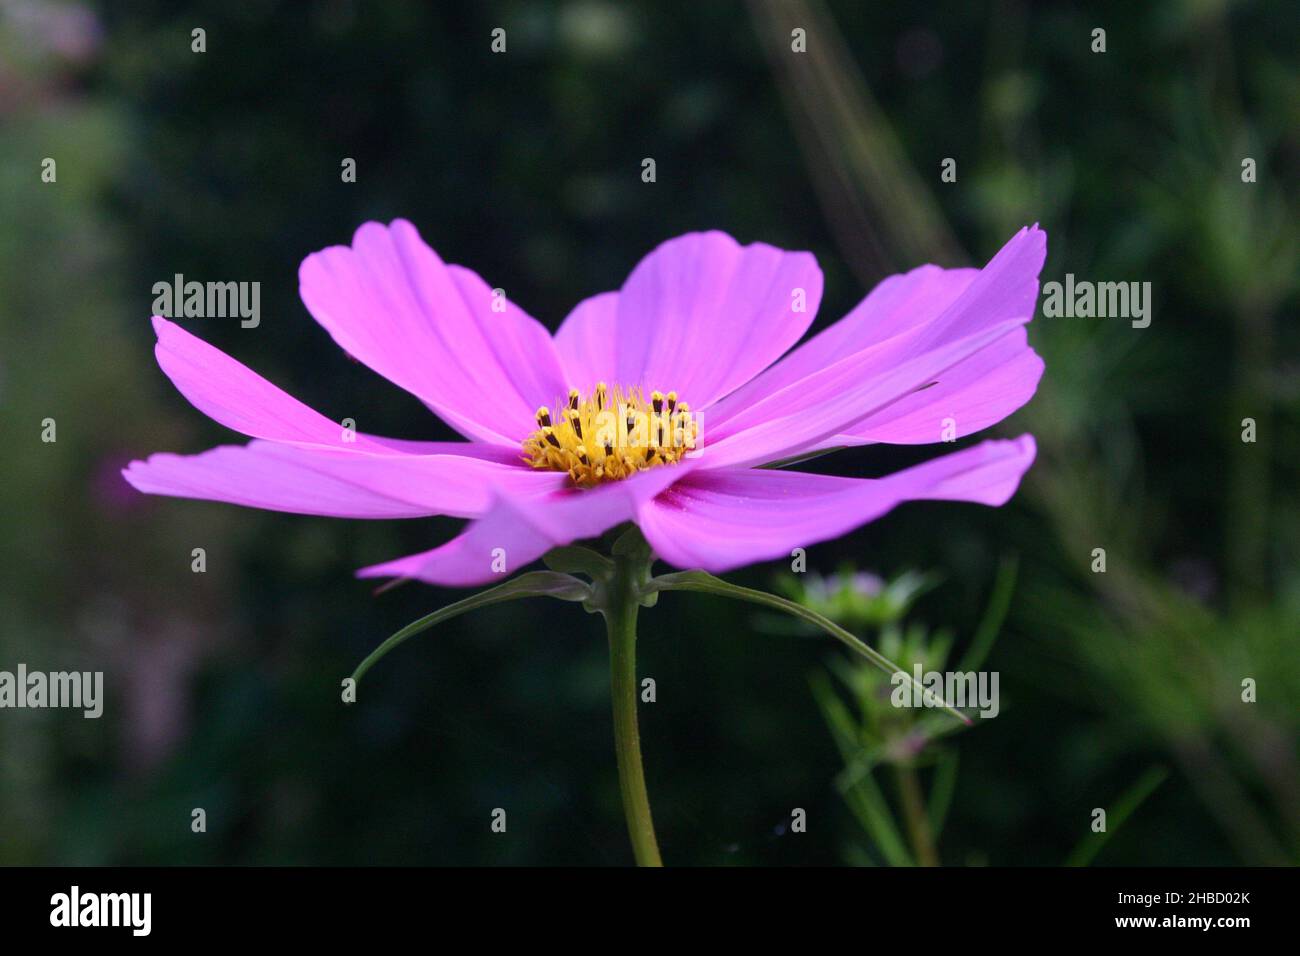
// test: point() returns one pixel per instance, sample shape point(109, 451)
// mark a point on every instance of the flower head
point(657, 404)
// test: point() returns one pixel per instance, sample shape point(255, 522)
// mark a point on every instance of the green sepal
point(575, 559)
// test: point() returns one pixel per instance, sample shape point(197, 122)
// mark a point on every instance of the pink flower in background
point(656, 404)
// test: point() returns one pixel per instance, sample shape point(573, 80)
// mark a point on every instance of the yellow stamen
point(611, 435)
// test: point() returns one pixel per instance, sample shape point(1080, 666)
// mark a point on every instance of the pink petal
point(719, 520)
point(974, 394)
point(700, 314)
point(518, 530)
point(805, 415)
point(234, 395)
point(503, 454)
point(1005, 289)
point(345, 484)
point(899, 304)
point(928, 309)
point(390, 302)
point(587, 343)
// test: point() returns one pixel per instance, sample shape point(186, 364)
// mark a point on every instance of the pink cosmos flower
point(656, 404)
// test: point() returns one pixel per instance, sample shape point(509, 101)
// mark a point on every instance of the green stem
point(620, 618)
point(918, 822)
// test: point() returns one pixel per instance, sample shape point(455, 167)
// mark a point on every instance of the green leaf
point(1124, 807)
point(837, 716)
point(868, 804)
point(533, 584)
point(994, 616)
point(941, 790)
point(706, 583)
point(864, 798)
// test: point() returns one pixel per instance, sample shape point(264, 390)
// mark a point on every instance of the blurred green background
point(223, 687)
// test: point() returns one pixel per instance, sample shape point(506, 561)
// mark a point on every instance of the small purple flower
point(656, 404)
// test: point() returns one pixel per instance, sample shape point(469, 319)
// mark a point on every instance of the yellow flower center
point(611, 434)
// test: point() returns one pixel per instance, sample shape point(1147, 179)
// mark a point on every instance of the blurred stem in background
point(918, 824)
point(1168, 663)
point(881, 215)
point(1256, 294)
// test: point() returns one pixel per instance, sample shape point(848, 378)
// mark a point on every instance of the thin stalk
point(620, 615)
point(914, 812)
